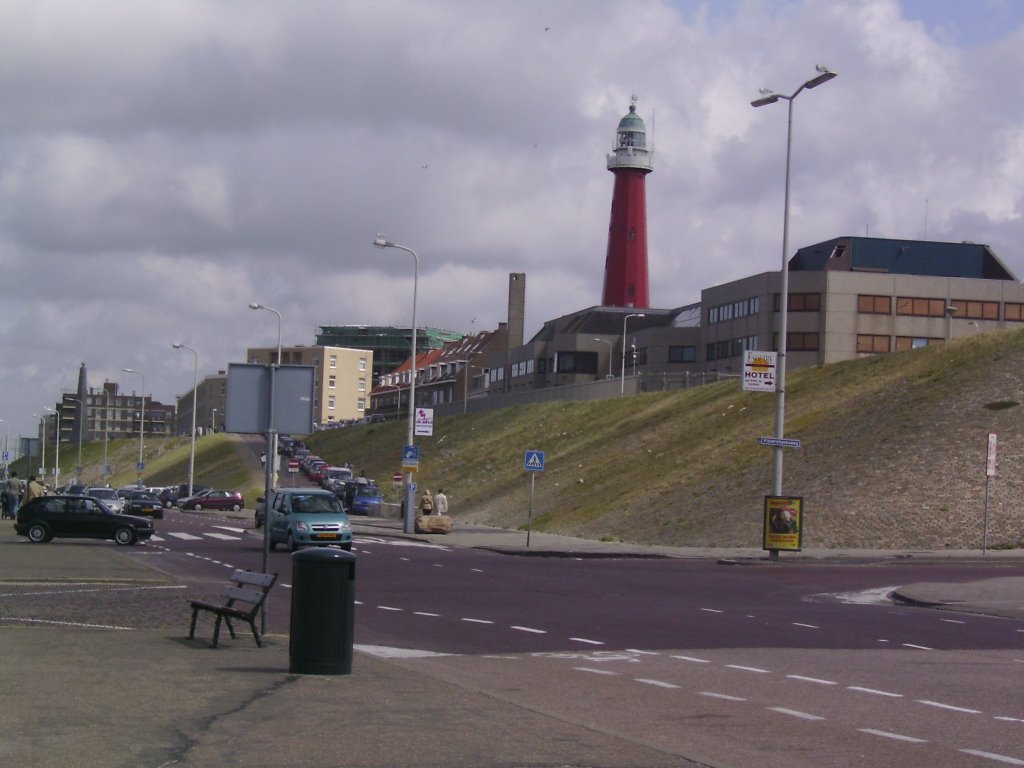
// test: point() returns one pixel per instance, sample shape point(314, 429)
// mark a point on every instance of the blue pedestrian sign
point(411, 453)
point(534, 461)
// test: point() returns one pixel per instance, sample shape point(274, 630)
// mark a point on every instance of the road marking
point(530, 629)
point(808, 626)
point(66, 623)
point(875, 692)
point(897, 736)
point(993, 756)
point(426, 613)
point(384, 652)
point(879, 595)
point(656, 683)
point(693, 659)
point(223, 536)
point(597, 671)
point(185, 536)
point(795, 713)
point(478, 621)
point(712, 610)
point(811, 679)
point(229, 528)
point(918, 647)
point(725, 696)
point(940, 705)
point(388, 608)
point(584, 640)
point(953, 621)
point(477, 570)
point(643, 653)
point(748, 669)
point(1010, 719)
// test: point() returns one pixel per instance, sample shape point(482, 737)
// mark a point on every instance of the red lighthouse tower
point(625, 265)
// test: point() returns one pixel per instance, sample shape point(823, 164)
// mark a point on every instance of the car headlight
point(302, 527)
point(346, 526)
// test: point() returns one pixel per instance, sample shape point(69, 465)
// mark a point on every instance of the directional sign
point(424, 421)
point(534, 461)
point(783, 442)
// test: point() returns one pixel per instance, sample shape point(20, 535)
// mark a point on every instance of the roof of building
point(902, 257)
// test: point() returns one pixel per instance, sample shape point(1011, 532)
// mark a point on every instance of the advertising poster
point(783, 523)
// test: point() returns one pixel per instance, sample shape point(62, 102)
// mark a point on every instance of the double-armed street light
point(382, 242)
point(142, 420)
point(770, 97)
point(622, 383)
point(195, 405)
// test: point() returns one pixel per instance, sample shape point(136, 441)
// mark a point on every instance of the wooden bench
point(244, 598)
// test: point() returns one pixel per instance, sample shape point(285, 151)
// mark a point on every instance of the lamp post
point(382, 242)
point(42, 460)
point(213, 419)
point(142, 420)
point(610, 346)
point(622, 382)
point(269, 476)
point(56, 461)
point(106, 432)
point(81, 425)
point(769, 97)
point(195, 405)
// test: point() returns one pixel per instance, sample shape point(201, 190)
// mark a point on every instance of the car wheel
point(125, 535)
point(236, 507)
point(168, 504)
point(38, 534)
point(292, 546)
point(347, 547)
point(159, 514)
point(197, 507)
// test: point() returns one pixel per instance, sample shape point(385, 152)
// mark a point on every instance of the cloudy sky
point(165, 162)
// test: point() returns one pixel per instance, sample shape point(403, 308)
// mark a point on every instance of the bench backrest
point(241, 591)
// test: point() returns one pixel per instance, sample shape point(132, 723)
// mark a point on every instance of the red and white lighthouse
point(625, 265)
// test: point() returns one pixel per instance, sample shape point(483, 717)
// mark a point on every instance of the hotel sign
point(759, 371)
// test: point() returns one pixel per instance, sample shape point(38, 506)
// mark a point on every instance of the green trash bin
point(323, 611)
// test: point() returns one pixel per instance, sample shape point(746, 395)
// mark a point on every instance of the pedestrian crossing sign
point(534, 461)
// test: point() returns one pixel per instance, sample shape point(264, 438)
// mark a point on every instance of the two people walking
point(436, 504)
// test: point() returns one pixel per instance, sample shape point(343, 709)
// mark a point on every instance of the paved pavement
point(117, 683)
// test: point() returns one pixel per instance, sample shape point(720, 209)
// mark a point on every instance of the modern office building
point(390, 345)
point(212, 397)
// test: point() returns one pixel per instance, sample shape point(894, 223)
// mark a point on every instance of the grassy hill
point(893, 456)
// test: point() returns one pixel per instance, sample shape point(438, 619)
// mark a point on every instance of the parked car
point(108, 496)
point(143, 503)
point(331, 477)
point(83, 517)
point(302, 517)
point(211, 499)
point(366, 499)
point(170, 494)
point(76, 489)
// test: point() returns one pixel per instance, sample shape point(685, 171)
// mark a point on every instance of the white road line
point(477, 621)
point(66, 623)
point(477, 570)
point(584, 640)
point(953, 621)
point(230, 528)
point(795, 713)
point(694, 659)
point(656, 683)
point(725, 696)
point(940, 705)
point(223, 536)
point(808, 626)
point(1010, 719)
point(712, 610)
point(749, 669)
point(875, 692)
point(811, 680)
point(426, 613)
point(530, 629)
point(388, 608)
point(185, 536)
point(643, 653)
point(597, 671)
point(918, 647)
point(897, 736)
point(993, 756)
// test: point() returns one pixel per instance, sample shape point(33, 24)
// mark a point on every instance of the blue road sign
point(140, 466)
point(7, 457)
point(411, 453)
point(534, 461)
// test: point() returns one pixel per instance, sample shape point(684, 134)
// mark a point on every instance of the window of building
point(331, 381)
point(577, 362)
point(361, 404)
point(917, 307)
point(330, 402)
point(682, 354)
point(976, 310)
point(874, 305)
point(362, 385)
point(802, 302)
point(1013, 312)
point(362, 364)
point(542, 365)
point(903, 343)
point(712, 315)
point(872, 344)
point(797, 342)
point(333, 361)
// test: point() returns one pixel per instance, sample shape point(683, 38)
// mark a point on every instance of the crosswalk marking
point(223, 536)
point(185, 536)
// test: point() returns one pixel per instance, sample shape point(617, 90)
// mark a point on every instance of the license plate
point(326, 536)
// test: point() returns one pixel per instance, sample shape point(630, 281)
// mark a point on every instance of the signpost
point(990, 472)
point(759, 371)
point(533, 462)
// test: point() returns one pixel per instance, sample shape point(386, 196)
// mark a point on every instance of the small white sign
point(424, 424)
point(759, 371)
point(990, 464)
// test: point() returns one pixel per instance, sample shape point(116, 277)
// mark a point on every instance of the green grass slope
point(893, 456)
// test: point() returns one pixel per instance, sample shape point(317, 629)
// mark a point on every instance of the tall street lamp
point(382, 242)
point(142, 420)
point(610, 346)
point(269, 476)
point(770, 97)
point(622, 382)
point(195, 405)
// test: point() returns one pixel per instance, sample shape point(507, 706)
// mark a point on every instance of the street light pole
point(81, 425)
point(382, 242)
point(142, 420)
point(610, 347)
point(195, 405)
point(769, 97)
point(622, 381)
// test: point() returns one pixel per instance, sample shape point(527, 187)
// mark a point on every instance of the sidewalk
point(137, 692)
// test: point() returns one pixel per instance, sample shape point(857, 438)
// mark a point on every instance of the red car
point(212, 499)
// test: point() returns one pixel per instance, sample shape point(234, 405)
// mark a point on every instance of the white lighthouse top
point(630, 142)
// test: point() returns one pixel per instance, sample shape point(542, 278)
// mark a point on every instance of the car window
point(315, 503)
point(51, 505)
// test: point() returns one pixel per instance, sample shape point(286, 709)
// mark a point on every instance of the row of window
point(332, 383)
point(720, 350)
point(968, 309)
point(741, 308)
point(875, 343)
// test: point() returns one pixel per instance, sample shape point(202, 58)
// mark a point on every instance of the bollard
point(323, 611)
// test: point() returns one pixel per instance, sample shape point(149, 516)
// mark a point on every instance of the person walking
point(440, 502)
point(12, 495)
point(34, 489)
point(426, 503)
